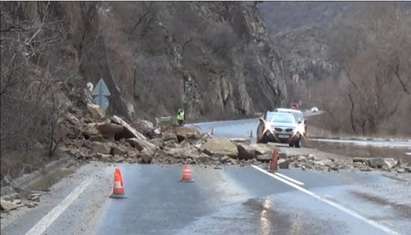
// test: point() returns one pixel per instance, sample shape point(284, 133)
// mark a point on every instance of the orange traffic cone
point(187, 174)
point(118, 186)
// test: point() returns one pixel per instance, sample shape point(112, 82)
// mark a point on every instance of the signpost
point(100, 94)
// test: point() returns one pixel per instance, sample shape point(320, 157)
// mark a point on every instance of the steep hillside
point(348, 59)
point(214, 59)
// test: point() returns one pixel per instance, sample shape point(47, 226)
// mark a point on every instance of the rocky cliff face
point(302, 33)
point(214, 59)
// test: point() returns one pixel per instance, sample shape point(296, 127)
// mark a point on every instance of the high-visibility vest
point(180, 116)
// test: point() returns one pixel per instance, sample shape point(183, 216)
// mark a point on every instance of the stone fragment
point(264, 158)
point(283, 163)
point(220, 146)
point(141, 144)
point(129, 131)
point(95, 111)
point(245, 152)
point(101, 147)
point(187, 133)
point(384, 163)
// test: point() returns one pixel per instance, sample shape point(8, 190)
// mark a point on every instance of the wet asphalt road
point(238, 200)
point(232, 200)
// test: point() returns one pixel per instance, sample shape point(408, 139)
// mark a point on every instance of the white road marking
point(289, 179)
point(331, 203)
point(48, 219)
point(409, 154)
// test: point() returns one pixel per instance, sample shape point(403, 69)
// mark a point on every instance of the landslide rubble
point(112, 139)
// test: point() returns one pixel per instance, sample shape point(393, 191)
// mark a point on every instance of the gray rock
point(245, 152)
point(224, 159)
point(240, 140)
point(101, 147)
point(90, 130)
point(109, 130)
point(118, 149)
point(311, 157)
point(401, 170)
point(95, 111)
point(301, 158)
point(182, 152)
point(73, 119)
point(169, 136)
point(283, 155)
point(187, 133)
point(157, 142)
point(264, 158)
point(104, 157)
point(284, 163)
point(262, 149)
point(360, 160)
point(384, 163)
point(141, 144)
point(10, 205)
point(145, 127)
point(220, 146)
point(128, 131)
point(118, 158)
point(145, 157)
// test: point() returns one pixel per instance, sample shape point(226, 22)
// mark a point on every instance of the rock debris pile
point(93, 137)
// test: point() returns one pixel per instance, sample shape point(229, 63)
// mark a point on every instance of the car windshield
point(299, 116)
point(280, 117)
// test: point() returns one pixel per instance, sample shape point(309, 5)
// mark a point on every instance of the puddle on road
point(273, 221)
point(49, 179)
point(400, 209)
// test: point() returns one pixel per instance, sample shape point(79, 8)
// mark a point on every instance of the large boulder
point(220, 146)
point(183, 152)
point(264, 157)
point(262, 149)
point(101, 147)
point(109, 130)
point(73, 119)
point(128, 132)
point(187, 133)
point(10, 205)
point(384, 163)
point(145, 127)
point(90, 130)
point(284, 163)
point(118, 149)
point(95, 111)
point(246, 152)
point(141, 144)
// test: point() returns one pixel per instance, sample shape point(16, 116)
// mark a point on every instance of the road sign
point(101, 101)
point(101, 89)
point(100, 94)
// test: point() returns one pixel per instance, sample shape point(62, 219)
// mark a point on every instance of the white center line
point(289, 179)
point(48, 219)
point(331, 203)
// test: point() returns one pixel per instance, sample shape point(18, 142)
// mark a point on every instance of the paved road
point(232, 200)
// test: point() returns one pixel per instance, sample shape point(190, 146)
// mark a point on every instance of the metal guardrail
point(165, 121)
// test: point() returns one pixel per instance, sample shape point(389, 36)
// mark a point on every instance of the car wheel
point(298, 144)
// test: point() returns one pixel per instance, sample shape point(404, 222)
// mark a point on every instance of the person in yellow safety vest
point(180, 117)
